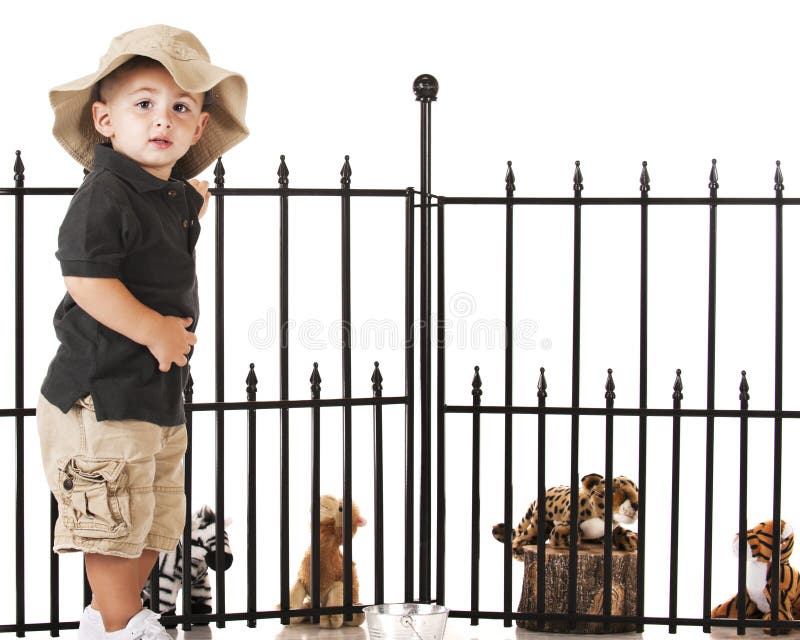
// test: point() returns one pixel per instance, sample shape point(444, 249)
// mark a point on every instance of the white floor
point(457, 629)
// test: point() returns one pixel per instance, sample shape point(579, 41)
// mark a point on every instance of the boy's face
point(150, 119)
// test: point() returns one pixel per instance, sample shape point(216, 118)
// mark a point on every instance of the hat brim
point(74, 128)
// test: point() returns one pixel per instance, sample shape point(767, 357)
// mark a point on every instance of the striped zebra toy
point(203, 553)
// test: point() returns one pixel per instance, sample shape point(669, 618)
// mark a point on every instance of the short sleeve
point(97, 231)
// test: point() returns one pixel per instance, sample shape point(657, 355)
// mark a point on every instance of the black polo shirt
point(125, 223)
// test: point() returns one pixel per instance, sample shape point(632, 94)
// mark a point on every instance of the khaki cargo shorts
point(118, 483)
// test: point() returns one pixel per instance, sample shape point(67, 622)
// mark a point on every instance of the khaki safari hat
point(187, 61)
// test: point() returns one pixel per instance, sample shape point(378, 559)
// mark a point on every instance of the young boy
point(110, 415)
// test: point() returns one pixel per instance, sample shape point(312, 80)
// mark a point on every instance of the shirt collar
point(106, 158)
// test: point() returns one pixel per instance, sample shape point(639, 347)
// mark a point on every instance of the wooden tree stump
point(589, 591)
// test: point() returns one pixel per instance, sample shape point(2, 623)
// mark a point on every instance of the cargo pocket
point(94, 497)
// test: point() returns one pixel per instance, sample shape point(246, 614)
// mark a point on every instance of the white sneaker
point(143, 626)
point(91, 626)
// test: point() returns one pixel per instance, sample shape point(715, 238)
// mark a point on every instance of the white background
point(543, 84)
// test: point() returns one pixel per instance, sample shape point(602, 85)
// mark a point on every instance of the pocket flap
point(94, 469)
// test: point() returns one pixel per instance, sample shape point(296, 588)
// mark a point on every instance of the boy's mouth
point(161, 143)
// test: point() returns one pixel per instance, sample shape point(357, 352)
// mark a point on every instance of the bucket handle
point(408, 621)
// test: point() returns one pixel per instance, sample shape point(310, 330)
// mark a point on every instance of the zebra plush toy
point(203, 553)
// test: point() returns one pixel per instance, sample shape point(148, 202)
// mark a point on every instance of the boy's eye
point(143, 104)
point(181, 108)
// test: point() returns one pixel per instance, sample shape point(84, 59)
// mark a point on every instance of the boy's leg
point(116, 585)
point(146, 562)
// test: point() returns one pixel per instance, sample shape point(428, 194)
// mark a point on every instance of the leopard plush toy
point(591, 524)
point(758, 598)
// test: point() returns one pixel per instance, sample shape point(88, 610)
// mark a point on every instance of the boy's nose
point(162, 120)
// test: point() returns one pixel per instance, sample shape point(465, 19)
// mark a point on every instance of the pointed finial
point(778, 177)
point(510, 180)
point(541, 385)
point(188, 390)
point(346, 172)
point(316, 382)
point(251, 381)
point(377, 379)
point(283, 173)
point(219, 173)
point(744, 388)
point(19, 168)
point(610, 386)
point(577, 177)
point(677, 388)
point(426, 87)
point(644, 178)
point(476, 383)
point(713, 176)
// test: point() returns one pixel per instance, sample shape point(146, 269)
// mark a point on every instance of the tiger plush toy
point(591, 524)
point(758, 598)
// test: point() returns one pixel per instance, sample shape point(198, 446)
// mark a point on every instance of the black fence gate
point(421, 515)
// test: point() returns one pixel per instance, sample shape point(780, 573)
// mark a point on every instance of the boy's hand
point(201, 186)
point(171, 342)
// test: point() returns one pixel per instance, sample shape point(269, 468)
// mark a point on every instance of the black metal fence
point(421, 461)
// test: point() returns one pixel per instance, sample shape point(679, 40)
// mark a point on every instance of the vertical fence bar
point(713, 186)
point(608, 500)
point(541, 395)
point(283, 183)
point(347, 392)
point(777, 466)
point(440, 402)
point(576, 365)
point(644, 189)
point(252, 485)
point(410, 403)
point(744, 402)
point(508, 381)
point(476, 498)
point(425, 88)
point(19, 381)
point(677, 397)
point(377, 421)
point(316, 451)
point(186, 550)
point(219, 385)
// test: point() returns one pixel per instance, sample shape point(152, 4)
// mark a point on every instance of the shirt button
point(68, 484)
point(172, 193)
point(185, 223)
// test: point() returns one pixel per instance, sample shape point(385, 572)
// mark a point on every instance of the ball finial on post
point(426, 87)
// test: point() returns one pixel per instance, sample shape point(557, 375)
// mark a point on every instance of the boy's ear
point(102, 119)
point(201, 125)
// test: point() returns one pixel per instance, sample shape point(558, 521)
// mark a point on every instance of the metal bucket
point(404, 621)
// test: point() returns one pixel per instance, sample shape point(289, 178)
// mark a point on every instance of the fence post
point(426, 88)
point(476, 497)
point(577, 184)
point(252, 466)
point(541, 394)
point(283, 183)
point(677, 396)
point(713, 186)
point(644, 189)
point(19, 372)
point(508, 380)
point(377, 420)
point(778, 438)
point(186, 594)
point(316, 388)
point(744, 402)
point(347, 383)
point(608, 513)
